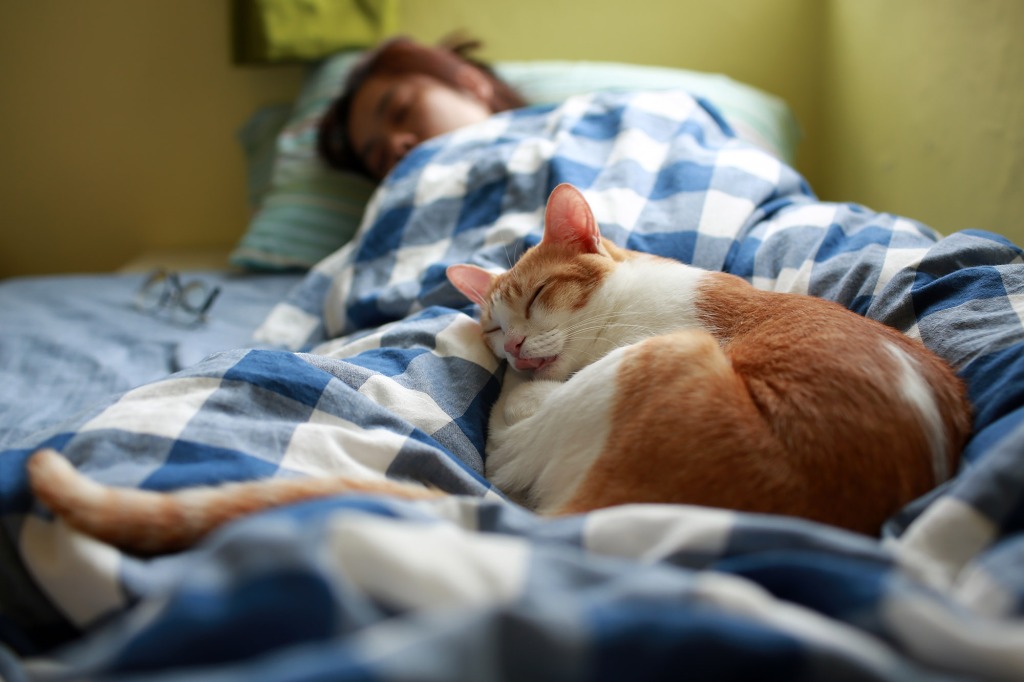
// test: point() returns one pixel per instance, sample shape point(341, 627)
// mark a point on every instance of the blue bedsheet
point(69, 341)
point(373, 364)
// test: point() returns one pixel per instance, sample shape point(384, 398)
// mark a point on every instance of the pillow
point(754, 115)
point(258, 138)
point(308, 210)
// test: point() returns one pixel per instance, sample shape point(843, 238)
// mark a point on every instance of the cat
point(655, 381)
point(638, 379)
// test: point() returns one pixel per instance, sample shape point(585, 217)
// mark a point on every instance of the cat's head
point(538, 314)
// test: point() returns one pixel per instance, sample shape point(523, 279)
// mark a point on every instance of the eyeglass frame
point(173, 297)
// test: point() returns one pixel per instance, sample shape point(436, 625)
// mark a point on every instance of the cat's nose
point(513, 344)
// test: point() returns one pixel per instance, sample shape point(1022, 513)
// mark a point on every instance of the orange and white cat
point(652, 381)
point(689, 386)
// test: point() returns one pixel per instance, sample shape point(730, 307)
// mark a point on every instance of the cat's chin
point(534, 365)
point(537, 368)
point(547, 375)
point(552, 371)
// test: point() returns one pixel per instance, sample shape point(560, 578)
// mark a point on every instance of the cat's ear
point(568, 220)
point(473, 281)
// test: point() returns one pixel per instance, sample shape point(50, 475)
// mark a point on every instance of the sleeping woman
point(403, 93)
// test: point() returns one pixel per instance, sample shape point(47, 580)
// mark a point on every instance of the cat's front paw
point(526, 400)
point(516, 412)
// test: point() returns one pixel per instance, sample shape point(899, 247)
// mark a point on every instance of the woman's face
point(391, 114)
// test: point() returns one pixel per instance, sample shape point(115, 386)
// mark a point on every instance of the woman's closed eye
point(400, 111)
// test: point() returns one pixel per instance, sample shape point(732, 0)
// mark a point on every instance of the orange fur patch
point(790, 408)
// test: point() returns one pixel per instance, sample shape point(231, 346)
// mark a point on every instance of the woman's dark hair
point(403, 56)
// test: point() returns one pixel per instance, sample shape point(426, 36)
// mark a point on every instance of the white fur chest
point(545, 435)
point(645, 297)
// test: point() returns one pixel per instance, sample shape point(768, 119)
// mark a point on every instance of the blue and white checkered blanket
point(389, 375)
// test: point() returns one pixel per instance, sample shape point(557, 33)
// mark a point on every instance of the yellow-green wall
point(117, 128)
point(923, 110)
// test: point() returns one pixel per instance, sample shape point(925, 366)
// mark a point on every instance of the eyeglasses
point(186, 302)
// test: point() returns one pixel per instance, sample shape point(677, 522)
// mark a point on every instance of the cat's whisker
point(605, 325)
point(605, 316)
point(642, 330)
point(509, 256)
point(597, 353)
point(591, 324)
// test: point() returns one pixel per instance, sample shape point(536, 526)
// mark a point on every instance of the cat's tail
point(146, 522)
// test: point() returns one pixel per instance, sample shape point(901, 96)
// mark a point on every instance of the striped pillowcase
point(304, 210)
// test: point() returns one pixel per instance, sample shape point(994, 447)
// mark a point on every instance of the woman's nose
point(400, 144)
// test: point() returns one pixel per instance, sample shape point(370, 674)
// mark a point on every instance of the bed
point(370, 364)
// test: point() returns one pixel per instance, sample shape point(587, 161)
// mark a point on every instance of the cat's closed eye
point(533, 299)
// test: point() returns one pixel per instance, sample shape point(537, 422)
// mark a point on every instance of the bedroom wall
point(118, 130)
point(923, 111)
point(119, 116)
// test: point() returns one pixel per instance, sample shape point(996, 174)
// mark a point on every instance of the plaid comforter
point(379, 369)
